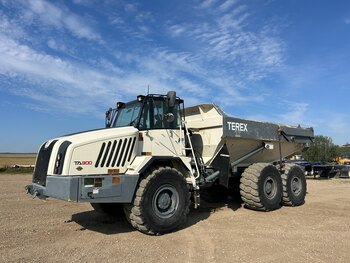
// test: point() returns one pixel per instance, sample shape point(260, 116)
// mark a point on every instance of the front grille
point(116, 153)
point(42, 163)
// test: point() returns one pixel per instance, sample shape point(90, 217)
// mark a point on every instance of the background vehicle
point(154, 157)
point(344, 160)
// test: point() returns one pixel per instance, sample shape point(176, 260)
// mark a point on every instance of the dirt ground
point(57, 231)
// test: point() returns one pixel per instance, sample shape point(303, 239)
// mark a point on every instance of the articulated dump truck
point(154, 158)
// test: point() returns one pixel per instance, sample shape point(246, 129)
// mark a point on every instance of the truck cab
point(104, 165)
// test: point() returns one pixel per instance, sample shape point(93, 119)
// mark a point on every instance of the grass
point(7, 160)
point(10, 170)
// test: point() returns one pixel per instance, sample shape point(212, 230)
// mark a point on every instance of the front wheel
point(161, 203)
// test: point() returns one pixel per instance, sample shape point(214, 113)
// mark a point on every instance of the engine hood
point(93, 152)
point(86, 137)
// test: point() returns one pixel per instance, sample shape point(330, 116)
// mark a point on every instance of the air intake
point(116, 153)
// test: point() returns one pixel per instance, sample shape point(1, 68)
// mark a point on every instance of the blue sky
point(63, 63)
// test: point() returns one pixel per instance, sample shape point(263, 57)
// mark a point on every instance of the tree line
point(322, 149)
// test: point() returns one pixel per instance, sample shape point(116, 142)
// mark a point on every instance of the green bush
point(322, 150)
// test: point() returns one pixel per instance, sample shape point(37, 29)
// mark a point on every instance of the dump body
point(213, 129)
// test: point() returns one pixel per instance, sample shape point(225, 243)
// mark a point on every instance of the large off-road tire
point(294, 185)
point(161, 202)
point(261, 187)
point(112, 209)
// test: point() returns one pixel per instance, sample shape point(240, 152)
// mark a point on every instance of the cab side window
point(158, 114)
point(145, 120)
point(155, 115)
point(161, 112)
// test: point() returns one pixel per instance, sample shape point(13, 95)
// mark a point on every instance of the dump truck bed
point(212, 128)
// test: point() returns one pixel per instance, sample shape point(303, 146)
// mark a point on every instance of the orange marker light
point(115, 180)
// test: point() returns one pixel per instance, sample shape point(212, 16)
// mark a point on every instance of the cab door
point(160, 130)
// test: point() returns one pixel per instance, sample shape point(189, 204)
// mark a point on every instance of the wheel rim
point(296, 185)
point(270, 187)
point(165, 201)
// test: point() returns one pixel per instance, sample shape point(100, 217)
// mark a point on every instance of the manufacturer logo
point(82, 162)
point(237, 126)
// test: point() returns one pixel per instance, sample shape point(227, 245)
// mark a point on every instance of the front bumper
point(99, 189)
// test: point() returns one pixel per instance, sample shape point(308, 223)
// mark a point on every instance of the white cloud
point(56, 45)
point(61, 85)
point(232, 21)
point(294, 112)
point(60, 18)
point(225, 59)
point(229, 57)
point(50, 77)
point(9, 26)
point(176, 30)
point(227, 4)
point(47, 12)
point(79, 28)
point(144, 17)
point(207, 3)
point(116, 20)
point(130, 8)
point(84, 2)
point(237, 56)
point(331, 123)
point(226, 38)
point(133, 24)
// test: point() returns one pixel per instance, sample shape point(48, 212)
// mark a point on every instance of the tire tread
point(249, 188)
point(134, 212)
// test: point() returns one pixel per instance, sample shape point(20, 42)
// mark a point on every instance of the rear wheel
point(294, 185)
point(161, 203)
point(261, 187)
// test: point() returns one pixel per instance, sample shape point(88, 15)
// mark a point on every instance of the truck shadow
point(108, 225)
point(98, 222)
point(208, 208)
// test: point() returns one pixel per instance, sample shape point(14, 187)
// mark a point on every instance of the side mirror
point(171, 97)
point(169, 117)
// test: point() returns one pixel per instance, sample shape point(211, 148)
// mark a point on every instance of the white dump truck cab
point(104, 166)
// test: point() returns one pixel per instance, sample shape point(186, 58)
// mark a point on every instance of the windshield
point(128, 115)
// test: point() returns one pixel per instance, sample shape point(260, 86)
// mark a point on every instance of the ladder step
point(192, 151)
